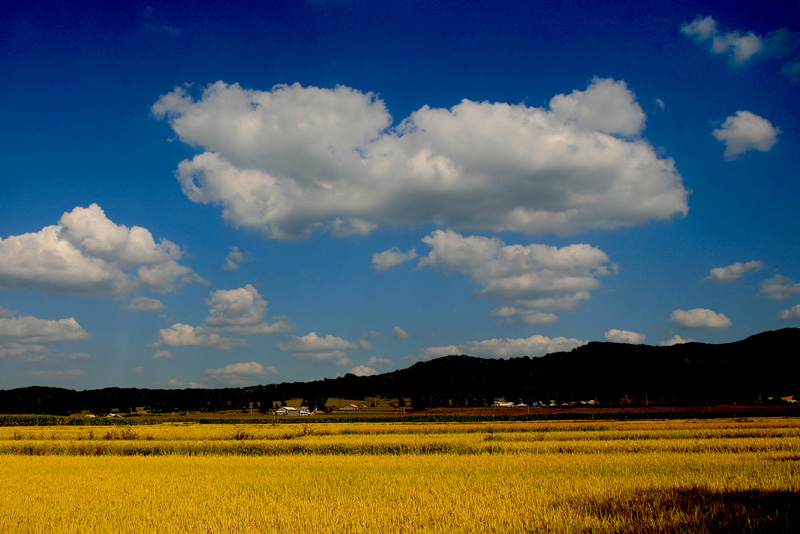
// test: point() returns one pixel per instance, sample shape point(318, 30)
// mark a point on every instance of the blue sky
point(206, 196)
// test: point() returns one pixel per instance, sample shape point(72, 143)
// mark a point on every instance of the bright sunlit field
point(645, 476)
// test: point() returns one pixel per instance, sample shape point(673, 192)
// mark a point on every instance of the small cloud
point(144, 305)
point(80, 356)
point(312, 342)
point(699, 318)
point(363, 370)
point(332, 357)
point(746, 131)
point(733, 272)
point(380, 362)
point(740, 47)
point(383, 261)
point(779, 287)
point(624, 336)
point(28, 329)
point(179, 384)
point(161, 355)
point(675, 340)
point(184, 335)
point(235, 258)
point(790, 314)
point(243, 368)
point(535, 345)
point(399, 333)
point(6, 312)
point(25, 352)
point(139, 369)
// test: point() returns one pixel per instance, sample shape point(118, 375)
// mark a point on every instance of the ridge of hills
point(761, 367)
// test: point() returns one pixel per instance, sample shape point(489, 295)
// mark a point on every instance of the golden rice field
point(503, 477)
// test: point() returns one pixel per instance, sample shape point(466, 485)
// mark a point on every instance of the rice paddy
point(503, 477)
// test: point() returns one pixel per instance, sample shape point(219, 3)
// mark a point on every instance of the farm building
point(291, 410)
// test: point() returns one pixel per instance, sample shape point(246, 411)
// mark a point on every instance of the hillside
point(752, 370)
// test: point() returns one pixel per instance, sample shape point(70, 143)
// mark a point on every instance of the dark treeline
point(761, 368)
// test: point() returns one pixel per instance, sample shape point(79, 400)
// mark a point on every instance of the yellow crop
point(405, 478)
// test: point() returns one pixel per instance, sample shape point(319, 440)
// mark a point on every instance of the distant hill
point(754, 369)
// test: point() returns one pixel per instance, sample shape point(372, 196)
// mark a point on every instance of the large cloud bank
point(293, 160)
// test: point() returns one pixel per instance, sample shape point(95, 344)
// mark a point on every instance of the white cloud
point(331, 357)
point(675, 340)
point(746, 131)
point(66, 373)
point(606, 106)
point(790, 314)
point(184, 335)
point(699, 318)
point(162, 355)
point(241, 311)
point(87, 253)
point(243, 368)
point(528, 278)
point(26, 352)
point(363, 370)
point(380, 362)
point(701, 28)
point(399, 333)
point(175, 383)
point(6, 312)
point(741, 47)
point(733, 272)
point(383, 261)
point(139, 369)
point(625, 336)
point(535, 345)
point(145, 305)
point(234, 258)
point(243, 306)
point(28, 329)
point(296, 159)
point(779, 287)
point(313, 342)
point(80, 356)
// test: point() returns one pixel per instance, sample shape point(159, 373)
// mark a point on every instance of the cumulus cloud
point(234, 258)
point(292, 160)
point(184, 335)
point(240, 373)
point(625, 336)
point(739, 47)
point(527, 278)
point(179, 384)
point(383, 261)
point(779, 287)
point(363, 370)
point(161, 355)
point(746, 131)
point(505, 348)
point(242, 311)
point(87, 253)
point(26, 352)
point(145, 305)
point(29, 329)
point(399, 333)
point(380, 362)
point(313, 342)
point(733, 272)
point(699, 318)
point(790, 314)
point(675, 340)
point(331, 357)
